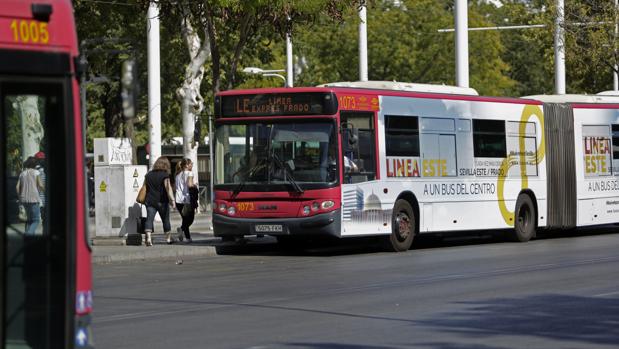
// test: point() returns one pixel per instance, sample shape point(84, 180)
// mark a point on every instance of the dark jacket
point(155, 189)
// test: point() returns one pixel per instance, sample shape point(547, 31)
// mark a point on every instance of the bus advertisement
point(46, 282)
point(397, 160)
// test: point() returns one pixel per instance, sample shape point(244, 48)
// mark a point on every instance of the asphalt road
point(558, 292)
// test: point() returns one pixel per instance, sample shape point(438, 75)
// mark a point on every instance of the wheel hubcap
point(403, 225)
point(523, 217)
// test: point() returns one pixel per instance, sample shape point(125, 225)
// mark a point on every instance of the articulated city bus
point(397, 160)
point(44, 253)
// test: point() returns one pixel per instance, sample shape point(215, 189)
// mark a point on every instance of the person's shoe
point(180, 233)
point(149, 240)
point(189, 240)
point(168, 238)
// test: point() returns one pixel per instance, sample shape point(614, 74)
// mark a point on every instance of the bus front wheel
point(526, 219)
point(403, 226)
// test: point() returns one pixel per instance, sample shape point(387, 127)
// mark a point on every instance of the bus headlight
point(306, 210)
point(222, 207)
point(231, 210)
point(327, 204)
point(315, 206)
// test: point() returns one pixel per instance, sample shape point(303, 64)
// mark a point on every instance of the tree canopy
point(404, 44)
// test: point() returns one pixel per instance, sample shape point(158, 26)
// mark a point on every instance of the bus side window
point(489, 138)
point(401, 136)
point(598, 154)
point(521, 139)
point(362, 156)
point(615, 131)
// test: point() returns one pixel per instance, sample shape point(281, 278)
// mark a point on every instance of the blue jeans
point(33, 217)
point(164, 213)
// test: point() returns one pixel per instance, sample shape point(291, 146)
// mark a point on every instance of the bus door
point(361, 210)
point(36, 309)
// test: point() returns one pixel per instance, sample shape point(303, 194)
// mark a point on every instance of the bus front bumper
point(322, 224)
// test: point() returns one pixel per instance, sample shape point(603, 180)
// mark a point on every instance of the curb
point(103, 255)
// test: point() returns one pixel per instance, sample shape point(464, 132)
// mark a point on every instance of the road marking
point(129, 316)
point(606, 294)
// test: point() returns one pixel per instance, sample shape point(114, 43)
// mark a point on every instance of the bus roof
point(38, 25)
point(440, 92)
point(575, 98)
point(404, 86)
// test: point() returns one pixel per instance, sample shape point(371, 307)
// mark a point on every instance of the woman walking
point(29, 186)
point(158, 197)
point(184, 181)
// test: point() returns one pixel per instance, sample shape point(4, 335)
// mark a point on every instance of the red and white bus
point(398, 159)
point(45, 257)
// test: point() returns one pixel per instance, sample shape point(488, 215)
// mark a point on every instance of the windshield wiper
point(250, 173)
point(287, 174)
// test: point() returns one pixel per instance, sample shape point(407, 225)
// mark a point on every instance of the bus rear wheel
point(526, 219)
point(403, 227)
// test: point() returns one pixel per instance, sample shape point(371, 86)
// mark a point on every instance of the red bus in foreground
point(44, 253)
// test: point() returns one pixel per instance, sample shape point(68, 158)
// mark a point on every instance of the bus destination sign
point(276, 104)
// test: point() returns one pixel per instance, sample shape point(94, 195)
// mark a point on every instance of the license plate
point(269, 228)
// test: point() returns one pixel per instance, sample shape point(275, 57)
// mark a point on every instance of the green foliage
point(528, 52)
point(404, 45)
point(591, 44)
point(112, 32)
point(14, 139)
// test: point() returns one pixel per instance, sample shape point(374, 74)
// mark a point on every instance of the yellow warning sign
point(135, 173)
point(102, 187)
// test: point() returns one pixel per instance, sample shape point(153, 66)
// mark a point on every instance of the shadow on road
point(552, 317)
point(589, 320)
point(336, 247)
point(320, 345)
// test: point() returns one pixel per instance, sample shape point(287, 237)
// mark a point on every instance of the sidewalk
point(111, 250)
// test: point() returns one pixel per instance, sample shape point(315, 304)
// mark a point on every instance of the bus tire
point(403, 227)
point(525, 219)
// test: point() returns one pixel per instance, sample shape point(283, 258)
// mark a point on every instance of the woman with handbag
point(158, 197)
point(184, 181)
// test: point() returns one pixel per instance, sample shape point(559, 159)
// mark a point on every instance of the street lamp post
point(264, 72)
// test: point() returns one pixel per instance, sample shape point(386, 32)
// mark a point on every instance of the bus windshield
point(276, 156)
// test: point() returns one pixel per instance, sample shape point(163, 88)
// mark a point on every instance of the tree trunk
point(32, 129)
point(111, 114)
point(130, 134)
point(189, 95)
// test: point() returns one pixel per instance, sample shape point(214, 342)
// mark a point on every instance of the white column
point(615, 78)
point(462, 43)
point(154, 83)
point(560, 50)
point(211, 147)
point(363, 41)
point(289, 65)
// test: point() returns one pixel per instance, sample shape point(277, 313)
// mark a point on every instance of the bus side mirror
point(129, 88)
